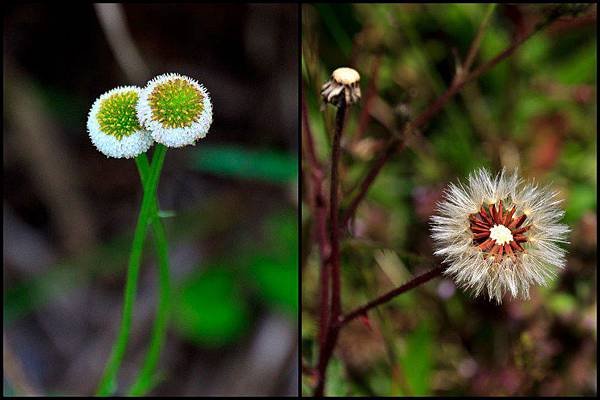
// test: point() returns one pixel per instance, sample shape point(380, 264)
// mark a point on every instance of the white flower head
point(499, 234)
point(113, 125)
point(176, 110)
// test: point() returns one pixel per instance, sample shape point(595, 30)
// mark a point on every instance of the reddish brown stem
point(318, 205)
point(334, 209)
point(331, 337)
point(419, 280)
point(474, 48)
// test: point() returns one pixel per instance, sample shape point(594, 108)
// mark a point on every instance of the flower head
point(499, 234)
point(344, 81)
point(176, 110)
point(113, 125)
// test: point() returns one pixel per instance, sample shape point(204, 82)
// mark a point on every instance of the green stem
point(107, 384)
point(146, 378)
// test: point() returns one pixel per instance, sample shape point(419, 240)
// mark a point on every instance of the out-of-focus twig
point(396, 143)
point(474, 48)
point(390, 295)
point(129, 58)
point(40, 143)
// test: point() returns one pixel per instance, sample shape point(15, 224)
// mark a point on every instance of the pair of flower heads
point(171, 109)
point(497, 234)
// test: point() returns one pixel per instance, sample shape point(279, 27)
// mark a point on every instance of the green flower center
point(176, 103)
point(117, 116)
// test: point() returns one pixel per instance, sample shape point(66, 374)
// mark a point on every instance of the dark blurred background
point(536, 111)
point(69, 212)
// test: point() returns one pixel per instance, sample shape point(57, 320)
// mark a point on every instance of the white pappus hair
point(499, 234)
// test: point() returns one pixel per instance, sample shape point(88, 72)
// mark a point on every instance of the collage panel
point(150, 200)
point(449, 185)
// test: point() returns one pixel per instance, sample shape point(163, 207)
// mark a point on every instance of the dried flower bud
point(113, 125)
point(343, 81)
point(176, 110)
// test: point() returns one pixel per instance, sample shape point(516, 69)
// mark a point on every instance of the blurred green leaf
point(455, 145)
point(209, 308)
point(581, 199)
point(562, 303)
point(337, 383)
point(579, 162)
point(534, 52)
point(579, 68)
point(275, 269)
point(331, 19)
point(417, 362)
point(239, 162)
point(278, 283)
point(530, 105)
point(493, 42)
point(281, 231)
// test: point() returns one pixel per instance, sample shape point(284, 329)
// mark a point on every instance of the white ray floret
point(175, 125)
point(132, 140)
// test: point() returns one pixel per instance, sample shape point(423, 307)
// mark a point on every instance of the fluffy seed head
point(343, 82)
point(176, 110)
point(499, 234)
point(113, 125)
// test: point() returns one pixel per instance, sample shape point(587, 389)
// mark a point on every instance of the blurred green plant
point(240, 162)
point(265, 271)
point(210, 309)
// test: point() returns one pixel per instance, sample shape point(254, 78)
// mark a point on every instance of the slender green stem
point(146, 378)
point(108, 384)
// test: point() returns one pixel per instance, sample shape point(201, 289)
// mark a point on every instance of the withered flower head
point(499, 234)
point(344, 81)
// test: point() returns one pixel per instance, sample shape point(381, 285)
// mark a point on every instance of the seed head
point(344, 81)
point(113, 125)
point(176, 110)
point(499, 234)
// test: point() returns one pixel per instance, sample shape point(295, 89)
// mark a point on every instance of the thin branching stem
point(334, 210)
point(384, 298)
point(326, 349)
point(318, 206)
point(397, 143)
point(108, 383)
point(476, 43)
point(146, 378)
